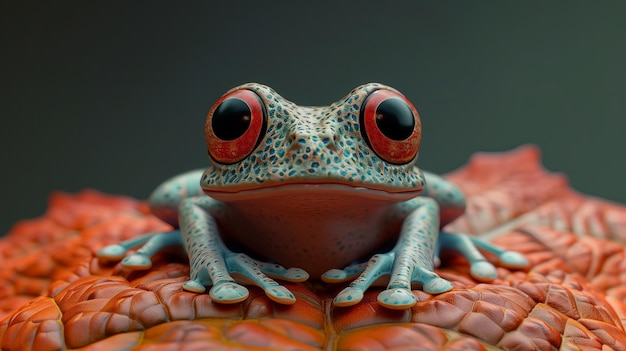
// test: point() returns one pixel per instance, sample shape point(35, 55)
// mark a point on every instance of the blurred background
point(113, 95)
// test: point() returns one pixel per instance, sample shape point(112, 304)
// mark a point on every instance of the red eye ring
point(235, 126)
point(391, 126)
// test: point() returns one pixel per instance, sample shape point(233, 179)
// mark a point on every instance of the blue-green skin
point(313, 195)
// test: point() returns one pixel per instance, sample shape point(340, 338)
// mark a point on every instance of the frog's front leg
point(410, 261)
point(180, 201)
point(212, 262)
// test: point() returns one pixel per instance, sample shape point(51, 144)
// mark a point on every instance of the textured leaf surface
point(54, 295)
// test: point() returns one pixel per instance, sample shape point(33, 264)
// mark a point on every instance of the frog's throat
point(311, 190)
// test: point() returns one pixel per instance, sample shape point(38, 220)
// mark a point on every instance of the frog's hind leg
point(141, 259)
point(507, 259)
point(449, 197)
point(480, 268)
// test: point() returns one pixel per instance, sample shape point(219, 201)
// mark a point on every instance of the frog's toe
point(228, 293)
point(483, 271)
point(281, 295)
point(437, 285)
point(348, 297)
point(137, 261)
point(350, 272)
point(295, 275)
point(194, 286)
point(514, 260)
point(112, 252)
point(397, 299)
point(335, 276)
point(437, 262)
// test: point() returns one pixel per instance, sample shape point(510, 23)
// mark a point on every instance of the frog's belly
point(314, 233)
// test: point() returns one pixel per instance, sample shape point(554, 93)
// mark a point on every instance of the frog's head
point(367, 141)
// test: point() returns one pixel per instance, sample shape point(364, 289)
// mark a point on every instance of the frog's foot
point(397, 295)
point(142, 258)
point(227, 289)
point(513, 260)
point(480, 268)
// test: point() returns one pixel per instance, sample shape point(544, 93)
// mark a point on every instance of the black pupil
point(395, 119)
point(231, 119)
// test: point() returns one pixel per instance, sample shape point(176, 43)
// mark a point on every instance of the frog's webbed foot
point(398, 294)
point(227, 290)
point(480, 268)
point(142, 258)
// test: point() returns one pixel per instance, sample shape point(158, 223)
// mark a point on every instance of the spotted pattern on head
point(313, 145)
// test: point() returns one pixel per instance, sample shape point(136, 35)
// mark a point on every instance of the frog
point(330, 192)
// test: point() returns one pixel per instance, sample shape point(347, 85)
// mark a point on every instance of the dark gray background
point(113, 95)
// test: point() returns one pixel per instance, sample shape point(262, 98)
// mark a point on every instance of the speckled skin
point(312, 194)
point(313, 145)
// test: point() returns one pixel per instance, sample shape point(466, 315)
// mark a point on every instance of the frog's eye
point(235, 126)
point(391, 126)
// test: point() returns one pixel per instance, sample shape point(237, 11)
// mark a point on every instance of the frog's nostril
point(312, 144)
point(295, 142)
point(331, 142)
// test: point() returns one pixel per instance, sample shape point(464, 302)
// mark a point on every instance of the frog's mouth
point(312, 191)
